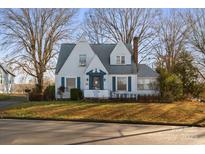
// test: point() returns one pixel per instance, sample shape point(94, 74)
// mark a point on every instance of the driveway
point(62, 132)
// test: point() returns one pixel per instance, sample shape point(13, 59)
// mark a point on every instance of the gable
point(120, 50)
point(70, 64)
point(95, 64)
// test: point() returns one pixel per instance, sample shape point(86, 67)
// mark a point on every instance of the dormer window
point(120, 60)
point(82, 60)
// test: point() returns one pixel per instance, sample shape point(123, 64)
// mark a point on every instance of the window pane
point(146, 86)
point(122, 83)
point(140, 86)
point(122, 59)
point(118, 59)
point(70, 83)
point(82, 60)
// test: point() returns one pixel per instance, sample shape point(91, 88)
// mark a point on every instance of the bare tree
point(31, 36)
point(172, 35)
point(196, 21)
point(93, 28)
point(122, 24)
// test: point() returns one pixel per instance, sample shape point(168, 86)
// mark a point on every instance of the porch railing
point(124, 95)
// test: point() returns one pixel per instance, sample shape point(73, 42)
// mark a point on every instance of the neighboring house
point(103, 70)
point(6, 80)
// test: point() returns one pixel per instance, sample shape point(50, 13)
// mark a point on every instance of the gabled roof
point(103, 51)
point(6, 70)
point(65, 51)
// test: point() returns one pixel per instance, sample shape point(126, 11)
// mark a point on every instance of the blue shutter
point(129, 83)
point(78, 82)
point(62, 82)
point(90, 82)
point(113, 83)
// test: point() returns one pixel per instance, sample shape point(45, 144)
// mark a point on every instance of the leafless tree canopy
point(196, 21)
point(172, 35)
point(122, 24)
point(31, 36)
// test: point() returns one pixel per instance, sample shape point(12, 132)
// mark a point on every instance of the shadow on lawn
point(200, 122)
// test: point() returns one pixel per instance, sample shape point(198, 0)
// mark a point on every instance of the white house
point(6, 80)
point(103, 70)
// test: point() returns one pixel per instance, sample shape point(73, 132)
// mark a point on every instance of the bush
point(76, 94)
point(61, 90)
point(167, 97)
point(49, 93)
point(174, 87)
point(33, 96)
point(171, 86)
point(198, 89)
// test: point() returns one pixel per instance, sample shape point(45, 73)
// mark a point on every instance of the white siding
point(120, 50)
point(71, 67)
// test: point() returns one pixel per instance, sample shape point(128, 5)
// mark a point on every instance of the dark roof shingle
point(103, 51)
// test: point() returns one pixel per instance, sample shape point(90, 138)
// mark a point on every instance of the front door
point(96, 80)
point(96, 83)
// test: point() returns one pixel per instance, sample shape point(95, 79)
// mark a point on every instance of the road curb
point(105, 121)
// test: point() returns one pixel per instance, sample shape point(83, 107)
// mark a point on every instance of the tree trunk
point(39, 85)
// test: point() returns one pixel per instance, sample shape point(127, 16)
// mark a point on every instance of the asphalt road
point(63, 132)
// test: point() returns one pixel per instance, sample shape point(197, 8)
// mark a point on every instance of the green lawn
point(4, 97)
point(186, 113)
point(15, 97)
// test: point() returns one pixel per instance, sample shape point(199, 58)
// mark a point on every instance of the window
point(146, 84)
point(152, 85)
point(122, 83)
point(120, 59)
point(70, 83)
point(82, 60)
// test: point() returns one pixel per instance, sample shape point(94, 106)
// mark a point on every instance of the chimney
point(135, 48)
